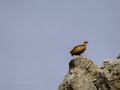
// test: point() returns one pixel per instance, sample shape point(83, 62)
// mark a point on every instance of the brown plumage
point(78, 49)
point(118, 56)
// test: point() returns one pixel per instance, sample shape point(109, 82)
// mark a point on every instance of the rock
point(85, 75)
point(109, 76)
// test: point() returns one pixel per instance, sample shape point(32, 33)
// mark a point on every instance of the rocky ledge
point(85, 75)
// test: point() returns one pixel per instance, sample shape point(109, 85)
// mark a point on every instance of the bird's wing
point(80, 48)
point(75, 48)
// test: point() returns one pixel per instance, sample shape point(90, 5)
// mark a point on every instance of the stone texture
point(85, 75)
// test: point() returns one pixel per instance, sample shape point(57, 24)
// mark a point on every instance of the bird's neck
point(84, 44)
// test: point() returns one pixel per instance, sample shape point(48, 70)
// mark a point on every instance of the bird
point(78, 50)
point(118, 56)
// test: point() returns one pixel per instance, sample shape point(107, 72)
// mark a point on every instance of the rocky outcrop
point(85, 75)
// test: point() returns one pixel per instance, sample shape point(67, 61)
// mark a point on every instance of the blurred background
point(36, 37)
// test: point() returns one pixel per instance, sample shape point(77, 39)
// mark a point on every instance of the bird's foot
point(80, 56)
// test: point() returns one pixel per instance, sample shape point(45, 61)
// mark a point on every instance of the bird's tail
point(71, 52)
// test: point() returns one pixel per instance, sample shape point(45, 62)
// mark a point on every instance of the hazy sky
point(36, 37)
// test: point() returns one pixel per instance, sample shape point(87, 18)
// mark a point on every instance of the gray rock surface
point(85, 75)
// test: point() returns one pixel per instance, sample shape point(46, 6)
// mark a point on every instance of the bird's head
point(85, 42)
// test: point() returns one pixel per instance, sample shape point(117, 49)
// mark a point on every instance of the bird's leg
point(80, 56)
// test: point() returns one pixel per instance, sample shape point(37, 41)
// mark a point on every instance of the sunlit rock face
point(85, 75)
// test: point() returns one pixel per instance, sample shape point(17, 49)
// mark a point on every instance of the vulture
point(118, 56)
point(78, 50)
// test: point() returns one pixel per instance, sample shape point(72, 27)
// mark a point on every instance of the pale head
point(85, 42)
